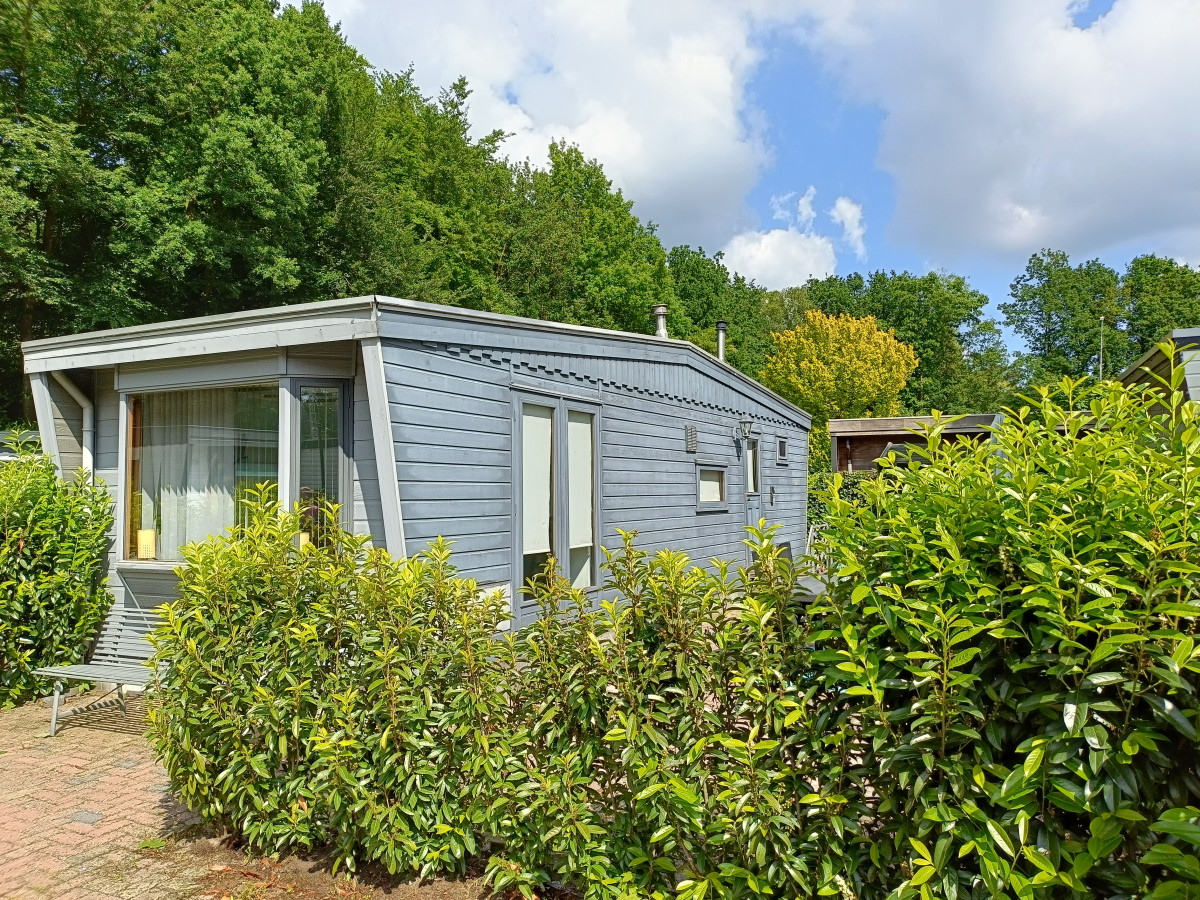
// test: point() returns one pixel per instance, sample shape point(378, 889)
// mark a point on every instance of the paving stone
point(75, 807)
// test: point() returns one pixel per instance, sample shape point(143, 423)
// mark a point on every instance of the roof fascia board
point(900, 425)
point(352, 318)
point(285, 326)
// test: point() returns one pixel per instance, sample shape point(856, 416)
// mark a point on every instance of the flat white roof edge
point(40, 355)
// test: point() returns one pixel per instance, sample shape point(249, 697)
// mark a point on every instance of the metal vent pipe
point(722, 327)
point(660, 313)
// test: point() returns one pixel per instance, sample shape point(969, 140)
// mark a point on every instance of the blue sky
point(819, 136)
point(802, 137)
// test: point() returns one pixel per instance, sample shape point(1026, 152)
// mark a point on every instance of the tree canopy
point(837, 367)
point(187, 158)
point(938, 314)
point(191, 157)
point(1061, 310)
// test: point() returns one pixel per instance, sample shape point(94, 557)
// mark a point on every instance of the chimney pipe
point(721, 327)
point(660, 312)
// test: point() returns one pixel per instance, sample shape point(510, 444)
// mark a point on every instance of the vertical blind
point(320, 444)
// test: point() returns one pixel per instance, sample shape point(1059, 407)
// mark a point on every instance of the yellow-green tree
point(838, 367)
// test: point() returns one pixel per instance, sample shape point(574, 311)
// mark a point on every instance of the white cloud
point(781, 257)
point(785, 257)
point(803, 215)
point(1008, 128)
point(655, 91)
point(781, 210)
point(849, 215)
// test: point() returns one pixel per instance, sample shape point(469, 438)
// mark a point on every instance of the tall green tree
point(190, 157)
point(71, 85)
point(1159, 295)
point(1061, 310)
point(575, 252)
point(709, 293)
point(411, 205)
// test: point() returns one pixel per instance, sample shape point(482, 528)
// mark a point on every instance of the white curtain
point(199, 450)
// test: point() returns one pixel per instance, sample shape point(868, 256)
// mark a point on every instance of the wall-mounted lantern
point(746, 426)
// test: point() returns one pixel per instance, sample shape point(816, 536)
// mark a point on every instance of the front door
point(753, 475)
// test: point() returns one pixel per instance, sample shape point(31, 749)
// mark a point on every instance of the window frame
point(289, 492)
point(781, 450)
point(561, 405)
point(287, 462)
point(712, 506)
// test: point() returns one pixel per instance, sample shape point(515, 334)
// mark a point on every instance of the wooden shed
point(1154, 362)
point(857, 444)
point(515, 438)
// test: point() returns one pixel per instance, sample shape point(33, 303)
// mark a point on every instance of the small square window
point(711, 488)
point(781, 458)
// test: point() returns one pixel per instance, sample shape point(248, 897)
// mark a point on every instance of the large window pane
point(193, 456)
point(580, 500)
point(320, 436)
point(751, 467)
point(537, 487)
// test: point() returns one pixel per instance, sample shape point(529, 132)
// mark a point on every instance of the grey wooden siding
point(366, 515)
point(450, 391)
point(1190, 358)
point(108, 414)
point(68, 428)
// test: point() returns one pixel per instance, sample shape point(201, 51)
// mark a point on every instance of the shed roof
point(353, 318)
point(1184, 338)
point(905, 424)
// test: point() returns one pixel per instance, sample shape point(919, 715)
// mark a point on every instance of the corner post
point(385, 449)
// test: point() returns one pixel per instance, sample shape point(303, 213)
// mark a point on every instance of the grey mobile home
point(517, 439)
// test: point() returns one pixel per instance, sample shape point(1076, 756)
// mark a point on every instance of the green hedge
point(336, 695)
point(996, 697)
point(53, 538)
point(1011, 630)
point(849, 487)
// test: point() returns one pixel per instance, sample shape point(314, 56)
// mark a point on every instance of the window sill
point(712, 508)
point(163, 566)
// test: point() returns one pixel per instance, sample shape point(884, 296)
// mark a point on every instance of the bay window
point(193, 455)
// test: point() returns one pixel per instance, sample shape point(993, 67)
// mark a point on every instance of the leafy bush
point(1011, 635)
point(53, 537)
point(321, 693)
point(995, 697)
point(849, 487)
point(334, 695)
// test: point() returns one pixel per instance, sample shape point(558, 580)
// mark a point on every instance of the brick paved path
point(74, 808)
